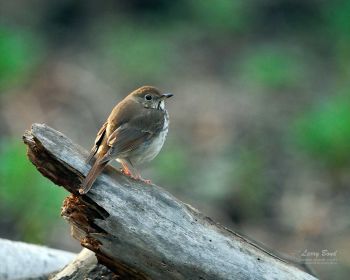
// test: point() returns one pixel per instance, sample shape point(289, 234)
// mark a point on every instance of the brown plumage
point(133, 133)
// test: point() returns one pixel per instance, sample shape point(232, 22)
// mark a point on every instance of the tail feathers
point(91, 155)
point(92, 175)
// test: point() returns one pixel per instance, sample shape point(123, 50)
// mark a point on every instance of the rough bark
point(140, 231)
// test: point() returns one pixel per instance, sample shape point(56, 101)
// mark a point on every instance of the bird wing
point(99, 138)
point(123, 140)
point(132, 134)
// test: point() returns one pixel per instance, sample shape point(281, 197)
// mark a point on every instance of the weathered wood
point(140, 231)
point(85, 266)
point(20, 260)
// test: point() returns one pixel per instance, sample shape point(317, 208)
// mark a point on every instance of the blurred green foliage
point(251, 175)
point(222, 17)
point(139, 54)
point(337, 25)
point(324, 132)
point(273, 67)
point(337, 18)
point(19, 53)
point(172, 164)
point(32, 200)
point(272, 46)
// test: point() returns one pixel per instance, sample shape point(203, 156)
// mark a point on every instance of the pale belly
point(150, 149)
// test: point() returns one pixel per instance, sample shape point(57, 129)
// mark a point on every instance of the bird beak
point(166, 95)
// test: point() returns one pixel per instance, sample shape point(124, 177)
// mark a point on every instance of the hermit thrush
point(134, 133)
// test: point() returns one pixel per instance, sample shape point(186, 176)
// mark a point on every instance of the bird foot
point(148, 182)
point(137, 177)
point(126, 172)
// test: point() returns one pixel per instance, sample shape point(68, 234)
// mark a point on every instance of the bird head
point(150, 97)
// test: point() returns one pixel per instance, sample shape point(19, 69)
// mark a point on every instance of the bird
point(134, 133)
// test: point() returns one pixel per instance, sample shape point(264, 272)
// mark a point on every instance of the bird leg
point(125, 170)
point(131, 171)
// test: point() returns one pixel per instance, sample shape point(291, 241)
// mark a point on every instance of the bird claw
point(139, 178)
point(148, 182)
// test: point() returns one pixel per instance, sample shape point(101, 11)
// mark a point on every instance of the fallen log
point(84, 266)
point(141, 231)
point(21, 260)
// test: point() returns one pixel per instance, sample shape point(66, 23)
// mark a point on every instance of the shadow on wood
point(141, 231)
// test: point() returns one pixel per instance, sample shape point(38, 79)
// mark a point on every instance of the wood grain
point(141, 231)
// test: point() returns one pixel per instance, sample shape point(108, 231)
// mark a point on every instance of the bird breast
point(150, 149)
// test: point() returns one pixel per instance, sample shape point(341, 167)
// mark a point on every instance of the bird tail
point(92, 175)
point(91, 155)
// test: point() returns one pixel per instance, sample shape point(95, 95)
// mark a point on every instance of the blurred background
point(260, 122)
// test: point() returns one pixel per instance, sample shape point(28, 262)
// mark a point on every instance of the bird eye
point(148, 97)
